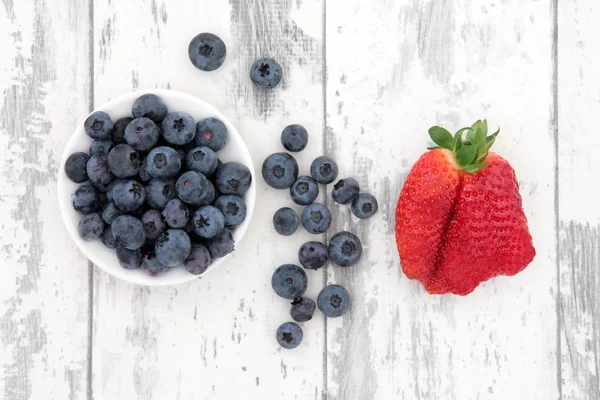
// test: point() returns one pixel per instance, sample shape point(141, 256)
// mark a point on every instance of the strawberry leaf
point(475, 167)
point(457, 141)
point(466, 154)
point(441, 137)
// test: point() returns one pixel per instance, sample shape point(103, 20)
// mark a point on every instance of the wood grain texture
point(579, 276)
point(424, 63)
point(43, 289)
point(214, 337)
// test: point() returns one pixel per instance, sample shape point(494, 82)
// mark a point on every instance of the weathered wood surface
point(367, 79)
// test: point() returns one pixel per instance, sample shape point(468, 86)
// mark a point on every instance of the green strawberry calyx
point(470, 153)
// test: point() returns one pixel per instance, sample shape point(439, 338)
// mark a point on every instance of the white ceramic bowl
point(95, 251)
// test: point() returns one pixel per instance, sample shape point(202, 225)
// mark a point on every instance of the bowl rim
point(64, 195)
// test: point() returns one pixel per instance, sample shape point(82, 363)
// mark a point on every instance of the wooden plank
point(214, 337)
point(395, 69)
point(44, 93)
point(579, 277)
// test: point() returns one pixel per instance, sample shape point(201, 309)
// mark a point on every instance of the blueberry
point(143, 173)
point(151, 265)
point(193, 188)
point(302, 309)
point(142, 134)
point(222, 244)
point(364, 206)
point(129, 259)
point(202, 159)
point(345, 190)
point(90, 227)
point(289, 281)
point(101, 146)
point(304, 190)
point(129, 232)
point(108, 239)
point(280, 170)
point(323, 170)
point(75, 167)
point(176, 214)
point(108, 189)
point(159, 192)
point(294, 138)
point(265, 73)
point(178, 128)
point(316, 218)
point(163, 162)
point(208, 222)
point(333, 301)
point(154, 224)
point(173, 247)
point(124, 161)
point(289, 335)
point(233, 209)
point(313, 255)
point(86, 199)
point(233, 178)
point(118, 133)
point(285, 221)
point(128, 195)
point(98, 125)
point(149, 106)
point(212, 133)
point(345, 249)
point(98, 170)
point(110, 212)
point(198, 261)
point(207, 51)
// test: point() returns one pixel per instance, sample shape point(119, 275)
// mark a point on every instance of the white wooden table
point(366, 78)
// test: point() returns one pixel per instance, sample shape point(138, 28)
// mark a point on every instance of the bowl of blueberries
point(156, 187)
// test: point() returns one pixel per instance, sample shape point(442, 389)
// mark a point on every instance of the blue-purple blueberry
point(98, 125)
point(75, 167)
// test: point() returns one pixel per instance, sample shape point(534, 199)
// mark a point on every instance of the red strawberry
point(459, 219)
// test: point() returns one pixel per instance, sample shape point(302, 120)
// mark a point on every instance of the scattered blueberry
point(143, 172)
point(345, 190)
point(154, 224)
point(86, 199)
point(233, 178)
point(233, 209)
point(110, 212)
point(98, 126)
point(101, 146)
point(193, 188)
point(285, 221)
point(108, 239)
point(198, 261)
point(207, 51)
point(364, 206)
point(345, 249)
point(90, 227)
point(176, 214)
point(129, 232)
point(265, 73)
point(313, 255)
point(324, 170)
point(302, 309)
point(289, 281)
point(202, 159)
point(178, 128)
point(222, 244)
point(212, 133)
point(75, 167)
point(98, 170)
point(173, 247)
point(163, 162)
point(316, 218)
point(124, 161)
point(128, 195)
point(149, 106)
point(118, 133)
point(294, 138)
point(152, 266)
point(142, 134)
point(129, 259)
point(159, 192)
point(208, 222)
point(304, 190)
point(289, 335)
point(280, 170)
point(333, 301)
